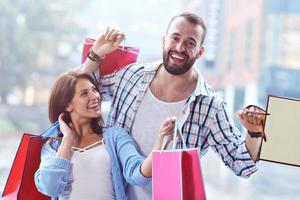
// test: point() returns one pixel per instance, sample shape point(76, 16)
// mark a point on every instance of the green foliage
point(6, 126)
point(31, 31)
point(29, 126)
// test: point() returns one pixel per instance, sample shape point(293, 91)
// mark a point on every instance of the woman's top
point(125, 163)
point(85, 170)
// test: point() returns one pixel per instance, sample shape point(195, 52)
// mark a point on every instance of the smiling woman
point(87, 160)
point(74, 94)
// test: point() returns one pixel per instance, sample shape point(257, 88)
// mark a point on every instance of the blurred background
point(251, 50)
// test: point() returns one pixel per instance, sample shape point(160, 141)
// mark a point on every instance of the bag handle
point(176, 129)
point(50, 130)
point(122, 47)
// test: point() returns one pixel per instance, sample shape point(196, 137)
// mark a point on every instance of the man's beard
point(178, 69)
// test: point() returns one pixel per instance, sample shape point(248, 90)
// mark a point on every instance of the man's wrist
point(94, 57)
point(255, 134)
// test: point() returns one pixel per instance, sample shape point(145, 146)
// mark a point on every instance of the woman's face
point(86, 101)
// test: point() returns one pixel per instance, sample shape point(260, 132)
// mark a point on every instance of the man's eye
point(191, 44)
point(175, 38)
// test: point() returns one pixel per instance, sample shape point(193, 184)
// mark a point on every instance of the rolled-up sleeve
point(130, 159)
point(225, 139)
point(52, 176)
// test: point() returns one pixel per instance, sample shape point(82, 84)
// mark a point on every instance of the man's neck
point(172, 88)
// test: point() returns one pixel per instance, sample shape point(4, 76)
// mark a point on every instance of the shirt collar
point(201, 89)
point(151, 67)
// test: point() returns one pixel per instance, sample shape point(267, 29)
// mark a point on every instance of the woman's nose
point(94, 95)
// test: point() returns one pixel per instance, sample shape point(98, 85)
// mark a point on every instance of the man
point(146, 94)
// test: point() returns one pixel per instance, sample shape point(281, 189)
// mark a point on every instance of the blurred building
point(251, 49)
point(281, 47)
point(232, 47)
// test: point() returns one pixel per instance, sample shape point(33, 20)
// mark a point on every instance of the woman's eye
point(83, 93)
point(94, 90)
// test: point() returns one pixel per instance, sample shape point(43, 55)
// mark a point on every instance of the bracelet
point(255, 134)
point(94, 57)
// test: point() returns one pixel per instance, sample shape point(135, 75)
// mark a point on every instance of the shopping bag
point(20, 182)
point(113, 61)
point(176, 173)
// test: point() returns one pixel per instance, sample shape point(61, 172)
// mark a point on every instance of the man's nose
point(180, 47)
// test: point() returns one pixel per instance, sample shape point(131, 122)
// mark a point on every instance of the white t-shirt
point(91, 175)
point(151, 113)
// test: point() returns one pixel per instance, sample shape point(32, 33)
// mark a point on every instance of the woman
point(89, 161)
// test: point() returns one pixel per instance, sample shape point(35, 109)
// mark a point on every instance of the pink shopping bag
point(176, 174)
point(113, 61)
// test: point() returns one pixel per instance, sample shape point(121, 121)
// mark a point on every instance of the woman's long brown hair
point(62, 94)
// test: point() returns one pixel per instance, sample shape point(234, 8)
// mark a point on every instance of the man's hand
point(108, 42)
point(253, 118)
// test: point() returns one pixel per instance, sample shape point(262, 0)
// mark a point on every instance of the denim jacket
point(122, 149)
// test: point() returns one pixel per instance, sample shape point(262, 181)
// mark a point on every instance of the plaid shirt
point(205, 122)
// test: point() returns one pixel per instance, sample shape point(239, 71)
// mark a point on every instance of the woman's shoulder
point(114, 130)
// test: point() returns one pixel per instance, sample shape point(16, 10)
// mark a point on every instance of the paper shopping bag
point(192, 183)
point(282, 127)
point(166, 175)
point(113, 61)
point(176, 174)
point(20, 183)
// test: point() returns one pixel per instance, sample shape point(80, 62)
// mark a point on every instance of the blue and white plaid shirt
point(205, 120)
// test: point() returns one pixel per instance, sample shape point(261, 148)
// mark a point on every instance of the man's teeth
point(177, 56)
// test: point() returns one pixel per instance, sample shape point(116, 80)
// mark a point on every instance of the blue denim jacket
point(126, 163)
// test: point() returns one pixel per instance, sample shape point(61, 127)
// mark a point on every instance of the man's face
point(181, 46)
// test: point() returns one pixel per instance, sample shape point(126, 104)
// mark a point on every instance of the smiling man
point(145, 94)
point(183, 44)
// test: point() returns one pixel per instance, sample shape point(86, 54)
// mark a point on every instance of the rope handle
point(175, 140)
point(51, 130)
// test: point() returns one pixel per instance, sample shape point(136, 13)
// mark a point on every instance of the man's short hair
point(192, 18)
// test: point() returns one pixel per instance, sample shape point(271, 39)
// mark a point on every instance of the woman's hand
point(108, 42)
point(69, 139)
point(166, 129)
point(67, 130)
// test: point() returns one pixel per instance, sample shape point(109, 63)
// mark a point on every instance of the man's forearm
point(253, 145)
point(89, 66)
